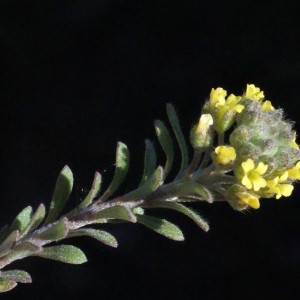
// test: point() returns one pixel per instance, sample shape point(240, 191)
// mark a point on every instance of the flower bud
point(200, 135)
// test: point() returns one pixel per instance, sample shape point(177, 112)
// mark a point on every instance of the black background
point(78, 76)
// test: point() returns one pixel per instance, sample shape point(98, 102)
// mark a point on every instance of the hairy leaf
point(22, 219)
point(99, 235)
point(116, 212)
point(93, 191)
point(16, 275)
point(166, 143)
point(64, 253)
point(9, 243)
point(63, 188)
point(183, 209)
point(3, 233)
point(149, 186)
point(18, 252)
point(179, 136)
point(7, 285)
point(161, 226)
point(55, 232)
point(35, 220)
point(122, 164)
point(149, 162)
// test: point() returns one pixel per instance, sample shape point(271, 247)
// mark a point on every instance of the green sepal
point(62, 191)
point(93, 192)
point(7, 285)
point(162, 227)
point(22, 219)
point(55, 232)
point(149, 186)
point(116, 212)
point(149, 162)
point(35, 220)
point(99, 235)
point(183, 209)
point(9, 243)
point(16, 275)
point(179, 136)
point(64, 253)
point(166, 142)
point(122, 164)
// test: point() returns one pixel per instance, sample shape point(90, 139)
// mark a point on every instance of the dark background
point(78, 76)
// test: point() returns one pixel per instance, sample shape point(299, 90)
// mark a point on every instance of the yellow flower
point(248, 199)
point(293, 143)
point(217, 96)
point(254, 93)
point(274, 186)
point(231, 104)
point(225, 155)
point(267, 106)
point(294, 173)
point(252, 176)
point(204, 123)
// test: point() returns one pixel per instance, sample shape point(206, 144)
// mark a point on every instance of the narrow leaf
point(116, 212)
point(149, 186)
point(9, 243)
point(183, 209)
point(93, 191)
point(16, 275)
point(122, 164)
point(35, 220)
point(61, 194)
point(64, 253)
point(161, 226)
point(55, 232)
point(179, 136)
point(149, 162)
point(166, 143)
point(22, 219)
point(7, 285)
point(99, 235)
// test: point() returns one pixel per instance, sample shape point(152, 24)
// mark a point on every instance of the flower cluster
point(260, 159)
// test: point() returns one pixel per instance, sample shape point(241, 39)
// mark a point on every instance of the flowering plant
point(257, 158)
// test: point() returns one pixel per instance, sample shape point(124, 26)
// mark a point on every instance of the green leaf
point(7, 285)
point(22, 219)
point(149, 186)
point(9, 243)
point(99, 235)
point(35, 220)
point(64, 253)
point(179, 136)
point(3, 233)
point(116, 212)
point(18, 252)
point(149, 162)
point(63, 188)
point(161, 226)
point(93, 191)
point(183, 209)
point(16, 275)
point(55, 232)
point(166, 143)
point(193, 189)
point(122, 164)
